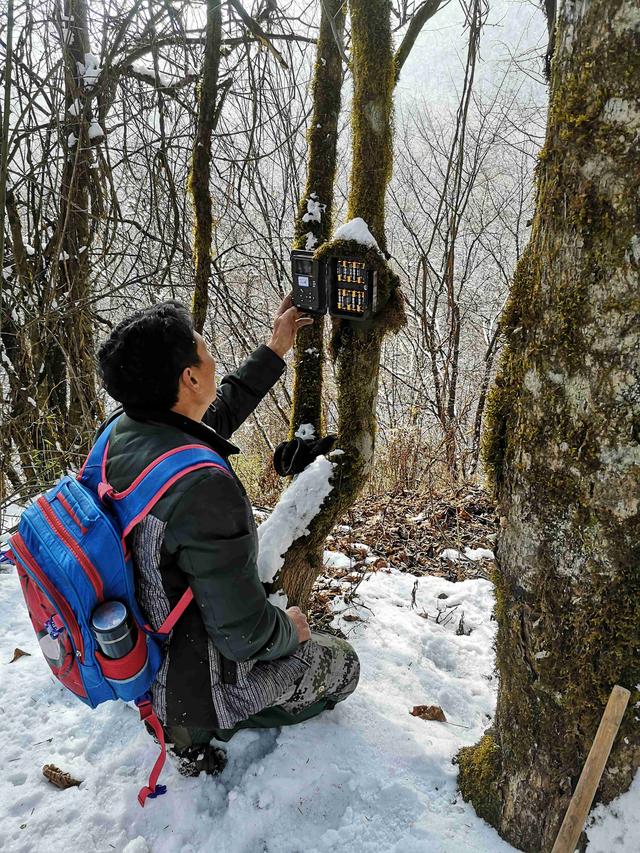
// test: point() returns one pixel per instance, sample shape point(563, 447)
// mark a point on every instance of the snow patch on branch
point(314, 209)
point(358, 231)
point(290, 519)
point(95, 131)
point(89, 70)
point(145, 71)
point(305, 431)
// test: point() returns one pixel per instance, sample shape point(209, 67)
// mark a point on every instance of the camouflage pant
point(334, 670)
point(332, 675)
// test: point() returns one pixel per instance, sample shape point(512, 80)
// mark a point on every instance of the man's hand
point(300, 621)
point(285, 327)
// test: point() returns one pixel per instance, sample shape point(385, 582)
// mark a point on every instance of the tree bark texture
point(371, 117)
point(563, 445)
point(50, 351)
point(321, 174)
point(80, 200)
point(200, 177)
point(356, 349)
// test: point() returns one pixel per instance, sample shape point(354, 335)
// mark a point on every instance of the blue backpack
point(71, 555)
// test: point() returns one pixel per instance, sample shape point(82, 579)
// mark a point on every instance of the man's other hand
point(285, 327)
point(300, 621)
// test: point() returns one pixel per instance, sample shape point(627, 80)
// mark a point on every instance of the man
point(233, 660)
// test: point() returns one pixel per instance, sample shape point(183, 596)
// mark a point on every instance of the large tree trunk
point(563, 445)
point(356, 350)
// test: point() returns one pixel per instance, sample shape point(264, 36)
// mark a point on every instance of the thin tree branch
point(420, 17)
point(256, 30)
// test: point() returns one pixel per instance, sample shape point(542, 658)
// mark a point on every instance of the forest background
point(468, 125)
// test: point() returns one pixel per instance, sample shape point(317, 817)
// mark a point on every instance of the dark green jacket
point(231, 654)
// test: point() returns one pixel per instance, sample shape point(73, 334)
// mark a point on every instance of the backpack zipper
point(59, 528)
point(56, 599)
point(67, 506)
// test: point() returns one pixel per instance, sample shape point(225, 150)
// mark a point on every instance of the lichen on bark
point(356, 349)
point(200, 171)
point(562, 440)
point(322, 139)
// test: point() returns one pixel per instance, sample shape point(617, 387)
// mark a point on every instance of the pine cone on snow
point(58, 777)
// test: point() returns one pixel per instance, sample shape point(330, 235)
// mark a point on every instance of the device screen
point(303, 281)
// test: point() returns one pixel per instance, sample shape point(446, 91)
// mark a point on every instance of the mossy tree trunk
point(356, 350)
point(563, 445)
point(47, 303)
point(200, 176)
point(314, 221)
point(81, 205)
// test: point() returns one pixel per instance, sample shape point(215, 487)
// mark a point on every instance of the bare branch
point(256, 30)
point(420, 17)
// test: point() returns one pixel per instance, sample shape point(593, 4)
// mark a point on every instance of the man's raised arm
point(239, 393)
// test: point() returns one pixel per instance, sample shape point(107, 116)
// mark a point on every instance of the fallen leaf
point(19, 654)
point(351, 618)
point(58, 777)
point(429, 712)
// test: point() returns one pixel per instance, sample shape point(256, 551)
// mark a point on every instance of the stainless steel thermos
point(113, 629)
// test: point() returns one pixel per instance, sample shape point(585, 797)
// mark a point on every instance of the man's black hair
point(141, 361)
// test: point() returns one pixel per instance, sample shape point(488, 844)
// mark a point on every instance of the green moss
point(478, 778)
point(371, 117)
point(322, 135)
point(550, 302)
point(568, 590)
point(306, 403)
point(200, 172)
point(518, 322)
point(322, 138)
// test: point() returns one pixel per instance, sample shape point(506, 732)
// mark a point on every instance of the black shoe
point(200, 759)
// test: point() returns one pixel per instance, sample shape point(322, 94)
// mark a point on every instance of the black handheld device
point(309, 291)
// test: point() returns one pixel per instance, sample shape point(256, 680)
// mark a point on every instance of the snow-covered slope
point(367, 776)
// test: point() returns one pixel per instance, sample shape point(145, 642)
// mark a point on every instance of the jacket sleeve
point(239, 393)
point(217, 551)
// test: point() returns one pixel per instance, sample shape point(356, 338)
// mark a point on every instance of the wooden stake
point(592, 772)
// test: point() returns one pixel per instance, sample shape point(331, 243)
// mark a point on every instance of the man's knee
point(344, 668)
point(351, 675)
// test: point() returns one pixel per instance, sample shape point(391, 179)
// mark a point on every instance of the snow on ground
point(473, 554)
point(615, 827)
point(365, 776)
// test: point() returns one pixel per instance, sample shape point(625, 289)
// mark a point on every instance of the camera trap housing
point(344, 285)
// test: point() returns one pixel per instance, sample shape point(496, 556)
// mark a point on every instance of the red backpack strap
point(169, 623)
point(135, 502)
point(148, 715)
